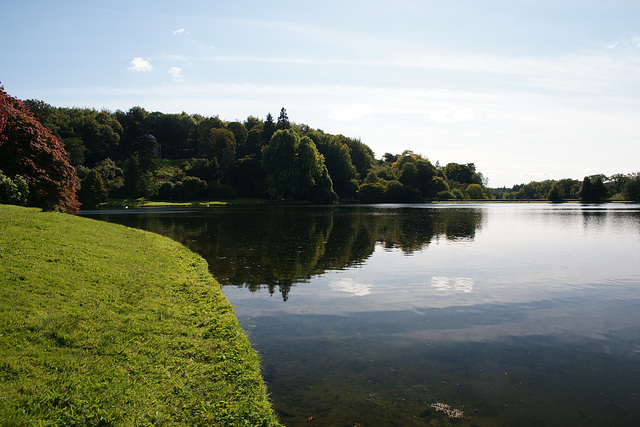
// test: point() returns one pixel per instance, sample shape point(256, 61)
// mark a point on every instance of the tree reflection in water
point(276, 248)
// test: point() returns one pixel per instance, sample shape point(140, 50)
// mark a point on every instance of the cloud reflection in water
point(452, 284)
point(351, 287)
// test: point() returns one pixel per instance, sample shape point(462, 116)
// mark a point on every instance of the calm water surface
point(509, 314)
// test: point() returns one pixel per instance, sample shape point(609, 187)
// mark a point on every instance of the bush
point(165, 191)
point(398, 193)
point(457, 194)
point(195, 188)
point(475, 192)
point(13, 191)
point(445, 195)
point(372, 192)
point(221, 191)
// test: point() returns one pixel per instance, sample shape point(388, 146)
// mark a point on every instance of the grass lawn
point(106, 325)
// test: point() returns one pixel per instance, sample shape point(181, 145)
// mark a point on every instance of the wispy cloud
point(176, 74)
point(140, 64)
point(181, 31)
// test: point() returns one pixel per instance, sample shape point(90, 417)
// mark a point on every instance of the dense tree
point(361, 155)
point(176, 134)
point(371, 192)
point(136, 124)
point(205, 169)
point(631, 190)
point(593, 190)
point(29, 149)
point(474, 191)
point(248, 177)
point(295, 169)
point(390, 158)
point(253, 122)
point(111, 174)
point(338, 161)
point(268, 128)
point(464, 174)
point(240, 132)
point(555, 194)
point(395, 192)
point(283, 120)
point(93, 190)
point(231, 153)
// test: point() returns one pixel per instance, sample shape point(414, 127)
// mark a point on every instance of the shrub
point(13, 191)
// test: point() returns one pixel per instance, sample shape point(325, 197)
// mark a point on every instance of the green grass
point(143, 203)
point(242, 201)
point(106, 325)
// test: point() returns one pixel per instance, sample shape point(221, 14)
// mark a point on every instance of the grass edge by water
point(105, 325)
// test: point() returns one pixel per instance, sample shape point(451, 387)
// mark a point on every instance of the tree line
point(184, 156)
point(593, 188)
point(47, 153)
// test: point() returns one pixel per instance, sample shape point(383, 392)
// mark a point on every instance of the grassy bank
point(105, 325)
point(143, 203)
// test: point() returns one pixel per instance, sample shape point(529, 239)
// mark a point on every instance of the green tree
point(92, 190)
point(338, 161)
point(371, 192)
point(474, 191)
point(240, 132)
point(631, 189)
point(593, 190)
point(268, 128)
point(464, 174)
point(395, 192)
point(599, 190)
point(555, 194)
point(283, 120)
point(135, 124)
point(112, 175)
point(295, 169)
point(361, 156)
point(176, 134)
point(203, 132)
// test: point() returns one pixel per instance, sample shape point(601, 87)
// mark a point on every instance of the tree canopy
point(138, 152)
point(295, 169)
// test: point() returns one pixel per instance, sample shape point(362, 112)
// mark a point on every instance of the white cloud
point(181, 31)
point(176, 74)
point(139, 64)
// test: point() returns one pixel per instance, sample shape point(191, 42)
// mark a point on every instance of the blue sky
point(528, 90)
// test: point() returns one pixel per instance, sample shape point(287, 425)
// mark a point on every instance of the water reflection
point(277, 248)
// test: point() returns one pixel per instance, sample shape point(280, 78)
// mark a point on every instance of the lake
point(399, 315)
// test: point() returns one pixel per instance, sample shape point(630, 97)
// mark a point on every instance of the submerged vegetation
point(130, 331)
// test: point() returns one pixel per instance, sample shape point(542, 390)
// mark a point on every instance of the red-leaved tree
point(29, 149)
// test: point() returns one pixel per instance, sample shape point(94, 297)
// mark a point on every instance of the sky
point(526, 90)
